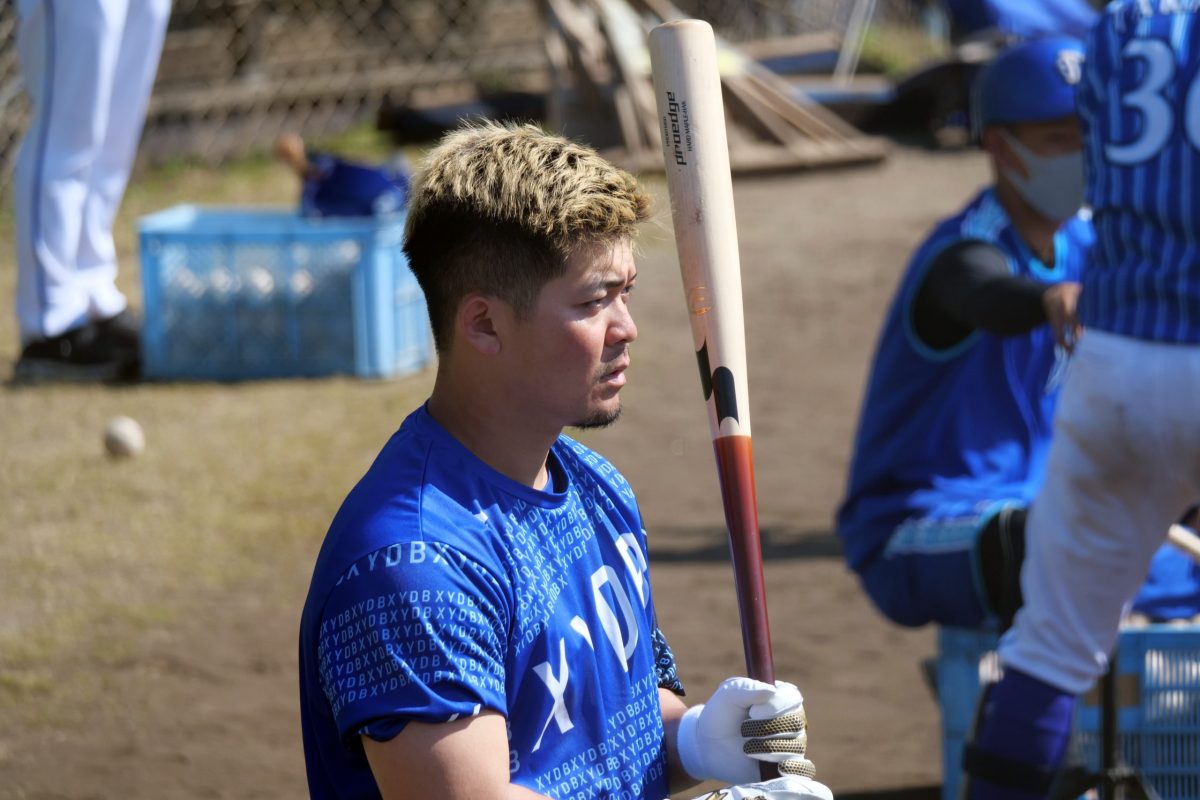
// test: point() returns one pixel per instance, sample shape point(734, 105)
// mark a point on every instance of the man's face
point(1039, 167)
point(573, 349)
point(1057, 137)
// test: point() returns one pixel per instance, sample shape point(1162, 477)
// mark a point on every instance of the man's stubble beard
point(598, 420)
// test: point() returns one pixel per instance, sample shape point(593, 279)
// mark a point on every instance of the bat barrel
point(687, 87)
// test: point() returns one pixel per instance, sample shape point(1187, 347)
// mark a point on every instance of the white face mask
point(1055, 183)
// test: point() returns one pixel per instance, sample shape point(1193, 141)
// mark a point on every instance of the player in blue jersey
point(1023, 19)
point(1126, 453)
point(480, 622)
point(956, 420)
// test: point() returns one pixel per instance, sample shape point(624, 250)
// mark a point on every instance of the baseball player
point(956, 421)
point(1020, 18)
point(1126, 451)
point(88, 67)
point(480, 621)
point(338, 187)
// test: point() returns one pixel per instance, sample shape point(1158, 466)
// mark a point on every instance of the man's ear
point(476, 322)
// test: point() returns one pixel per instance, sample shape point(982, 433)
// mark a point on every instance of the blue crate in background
point(1158, 669)
point(238, 293)
point(966, 660)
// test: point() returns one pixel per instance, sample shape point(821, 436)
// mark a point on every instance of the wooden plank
point(627, 41)
point(556, 55)
point(869, 147)
point(585, 105)
point(799, 116)
point(780, 87)
point(775, 47)
point(753, 112)
point(352, 83)
point(629, 119)
point(768, 130)
point(585, 43)
point(666, 10)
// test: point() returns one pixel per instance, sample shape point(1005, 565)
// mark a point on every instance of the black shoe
point(99, 352)
point(123, 332)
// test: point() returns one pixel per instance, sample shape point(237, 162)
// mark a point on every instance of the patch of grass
point(22, 683)
point(363, 142)
point(895, 51)
point(236, 487)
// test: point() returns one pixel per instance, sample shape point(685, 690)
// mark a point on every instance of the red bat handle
point(736, 469)
point(735, 466)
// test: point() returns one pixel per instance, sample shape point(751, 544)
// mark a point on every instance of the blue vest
point(445, 588)
point(1143, 167)
point(943, 432)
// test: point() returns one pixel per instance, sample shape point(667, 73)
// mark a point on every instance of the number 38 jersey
point(444, 589)
point(1139, 103)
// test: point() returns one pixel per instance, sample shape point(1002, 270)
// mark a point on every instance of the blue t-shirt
point(1139, 106)
point(444, 588)
point(339, 188)
point(1172, 587)
point(944, 433)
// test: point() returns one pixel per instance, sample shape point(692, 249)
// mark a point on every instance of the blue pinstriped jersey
point(944, 433)
point(1139, 104)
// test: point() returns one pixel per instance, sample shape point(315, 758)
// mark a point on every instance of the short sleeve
point(413, 632)
point(664, 664)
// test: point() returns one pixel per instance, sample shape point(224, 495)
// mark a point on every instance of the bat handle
point(736, 469)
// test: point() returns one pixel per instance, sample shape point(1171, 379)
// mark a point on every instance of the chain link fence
point(235, 73)
point(14, 106)
point(766, 19)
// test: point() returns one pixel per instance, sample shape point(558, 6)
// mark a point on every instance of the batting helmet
point(1032, 81)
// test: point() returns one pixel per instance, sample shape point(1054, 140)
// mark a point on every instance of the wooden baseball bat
point(687, 88)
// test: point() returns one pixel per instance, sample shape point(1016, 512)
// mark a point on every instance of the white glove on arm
point(789, 787)
point(744, 722)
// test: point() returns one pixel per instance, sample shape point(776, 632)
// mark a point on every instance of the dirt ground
point(204, 702)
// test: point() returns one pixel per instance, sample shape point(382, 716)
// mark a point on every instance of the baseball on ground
point(123, 437)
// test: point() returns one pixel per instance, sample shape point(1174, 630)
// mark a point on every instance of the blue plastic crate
point(1158, 670)
point(966, 661)
point(238, 293)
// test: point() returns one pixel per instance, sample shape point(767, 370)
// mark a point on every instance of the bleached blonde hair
point(500, 208)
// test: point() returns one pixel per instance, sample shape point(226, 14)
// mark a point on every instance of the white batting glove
point(789, 787)
point(745, 722)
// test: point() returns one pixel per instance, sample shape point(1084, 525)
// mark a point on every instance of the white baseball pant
point(88, 66)
point(1123, 465)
